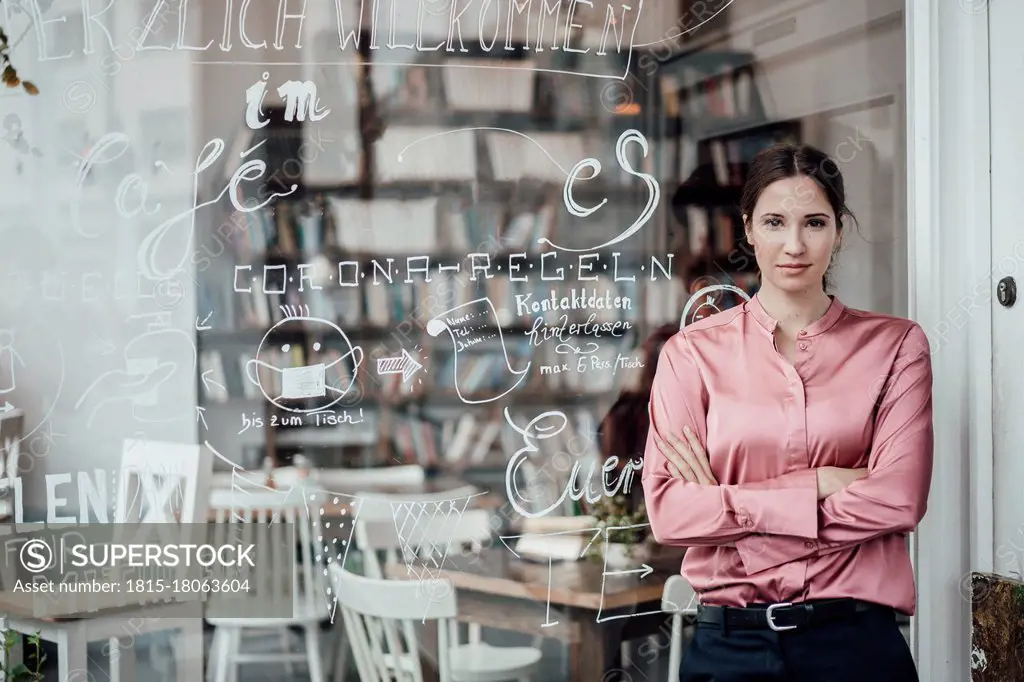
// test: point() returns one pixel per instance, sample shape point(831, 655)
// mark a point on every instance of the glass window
point(398, 241)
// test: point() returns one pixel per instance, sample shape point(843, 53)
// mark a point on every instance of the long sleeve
point(893, 496)
point(688, 514)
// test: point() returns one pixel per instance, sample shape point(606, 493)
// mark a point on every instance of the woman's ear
point(746, 230)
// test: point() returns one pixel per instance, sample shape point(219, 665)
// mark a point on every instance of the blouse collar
point(819, 326)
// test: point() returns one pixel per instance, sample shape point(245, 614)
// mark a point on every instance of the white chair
point(377, 506)
point(163, 483)
point(407, 536)
point(377, 614)
point(157, 475)
point(310, 601)
point(12, 425)
point(679, 599)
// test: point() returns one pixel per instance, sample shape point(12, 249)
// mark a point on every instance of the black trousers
point(867, 647)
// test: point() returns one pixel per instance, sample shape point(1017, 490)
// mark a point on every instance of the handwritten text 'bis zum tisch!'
point(319, 418)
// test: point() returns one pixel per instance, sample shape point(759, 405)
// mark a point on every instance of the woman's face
point(794, 234)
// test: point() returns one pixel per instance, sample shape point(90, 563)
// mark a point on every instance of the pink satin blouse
point(858, 394)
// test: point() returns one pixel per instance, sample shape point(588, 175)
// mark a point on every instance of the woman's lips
point(795, 268)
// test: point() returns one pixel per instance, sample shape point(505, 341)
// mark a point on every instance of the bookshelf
point(714, 120)
point(440, 171)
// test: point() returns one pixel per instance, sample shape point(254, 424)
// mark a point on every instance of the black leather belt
point(784, 616)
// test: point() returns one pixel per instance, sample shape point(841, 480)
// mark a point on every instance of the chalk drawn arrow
point(202, 326)
point(200, 417)
point(403, 364)
point(207, 382)
point(644, 571)
point(597, 532)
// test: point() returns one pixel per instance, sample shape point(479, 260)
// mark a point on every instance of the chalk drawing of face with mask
point(280, 372)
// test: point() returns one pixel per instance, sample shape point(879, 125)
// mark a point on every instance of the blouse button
point(809, 544)
point(803, 333)
point(803, 346)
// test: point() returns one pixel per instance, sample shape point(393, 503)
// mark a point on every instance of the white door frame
point(950, 245)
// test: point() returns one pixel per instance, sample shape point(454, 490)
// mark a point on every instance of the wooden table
point(591, 612)
point(110, 620)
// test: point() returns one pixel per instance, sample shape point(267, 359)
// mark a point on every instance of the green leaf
point(20, 670)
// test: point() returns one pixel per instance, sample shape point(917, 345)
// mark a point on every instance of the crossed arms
point(804, 513)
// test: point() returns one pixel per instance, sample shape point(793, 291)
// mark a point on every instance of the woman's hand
point(686, 458)
point(833, 479)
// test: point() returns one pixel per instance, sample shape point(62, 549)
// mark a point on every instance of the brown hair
point(782, 161)
point(623, 431)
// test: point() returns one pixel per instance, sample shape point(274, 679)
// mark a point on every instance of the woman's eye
point(772, 222)
point(816, 223)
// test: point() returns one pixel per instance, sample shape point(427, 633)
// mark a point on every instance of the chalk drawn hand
point(126, 385)
point(142, 375)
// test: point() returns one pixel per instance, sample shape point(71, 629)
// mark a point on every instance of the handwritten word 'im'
point(299, 96)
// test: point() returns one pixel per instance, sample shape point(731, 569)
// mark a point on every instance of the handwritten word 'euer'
point(578, 485)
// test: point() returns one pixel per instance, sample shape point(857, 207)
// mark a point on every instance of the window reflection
point(422, 212)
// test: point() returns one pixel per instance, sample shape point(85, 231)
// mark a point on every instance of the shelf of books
point(420, 274)
point(714, 120)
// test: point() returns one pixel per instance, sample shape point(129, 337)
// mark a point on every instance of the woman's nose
point(794, 242)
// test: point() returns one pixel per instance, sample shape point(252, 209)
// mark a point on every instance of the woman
point(791, 450)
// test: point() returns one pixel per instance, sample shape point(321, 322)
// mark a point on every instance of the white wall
point(88, 374)
point(1007, 69)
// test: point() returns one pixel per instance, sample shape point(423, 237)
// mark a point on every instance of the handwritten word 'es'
point(594, 166)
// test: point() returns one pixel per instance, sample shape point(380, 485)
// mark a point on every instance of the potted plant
point(625, 530)
point(8, 74)
point(19, 672)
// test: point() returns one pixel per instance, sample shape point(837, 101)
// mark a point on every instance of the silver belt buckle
point(771, 617)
